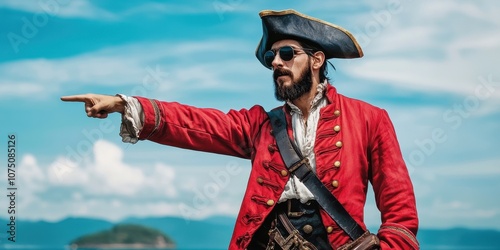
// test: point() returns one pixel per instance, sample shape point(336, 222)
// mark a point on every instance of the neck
point(304, 102)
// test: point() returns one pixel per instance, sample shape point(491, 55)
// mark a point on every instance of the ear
point(318, 59)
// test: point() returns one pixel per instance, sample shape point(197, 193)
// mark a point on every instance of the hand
point(98, 106)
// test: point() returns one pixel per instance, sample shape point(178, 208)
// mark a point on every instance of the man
point(348, 143)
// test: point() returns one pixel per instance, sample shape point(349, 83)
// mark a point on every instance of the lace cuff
point(132, 119)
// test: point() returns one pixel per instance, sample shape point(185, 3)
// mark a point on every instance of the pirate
point(312, 158)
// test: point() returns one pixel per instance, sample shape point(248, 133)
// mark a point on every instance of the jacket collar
point(321, 91)
point(331, 93)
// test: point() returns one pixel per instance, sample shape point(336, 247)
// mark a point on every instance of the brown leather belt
point(294, 208)
point(292, 220)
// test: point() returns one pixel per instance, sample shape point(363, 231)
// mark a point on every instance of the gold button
point(335, 183)
point(336, 164)
point(329, 230)
point(336, 112)
point(284, 173)
point(260, 180)
point(336, 128)
point(270, 202)
point(338, 144)
point(307, 229)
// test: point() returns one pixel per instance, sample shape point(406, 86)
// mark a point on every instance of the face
point(292, 78)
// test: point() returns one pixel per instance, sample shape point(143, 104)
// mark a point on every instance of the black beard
point(297, 89)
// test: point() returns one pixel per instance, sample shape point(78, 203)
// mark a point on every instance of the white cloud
point(162, 181)
point(148, 67)
point(30, 179)
point(112, 174)
point(102, 185)
point(85, 9)
point(63, 172)
point(462, 209)
point(107, 174)
point(488, 168)
point(445, 192)
point(446, 213)
point(20, 88)
point(111, 209)
point(448, 191)
point(445, 52)
point(61, 8)
point(30, 171)
point(424, 75)
point(169, 8)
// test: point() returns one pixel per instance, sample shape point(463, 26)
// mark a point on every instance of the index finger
point(74, 98)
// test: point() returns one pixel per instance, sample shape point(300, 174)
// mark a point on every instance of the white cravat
point(304, 133)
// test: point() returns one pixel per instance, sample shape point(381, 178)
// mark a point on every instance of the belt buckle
point(290, 213)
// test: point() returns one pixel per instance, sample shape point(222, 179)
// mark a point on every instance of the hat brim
point(333, 40)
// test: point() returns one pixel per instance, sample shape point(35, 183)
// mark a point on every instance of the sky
point(433, 65)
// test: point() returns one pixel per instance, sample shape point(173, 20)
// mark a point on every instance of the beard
point(302, 85)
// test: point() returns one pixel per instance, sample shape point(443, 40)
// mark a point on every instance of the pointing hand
point(98, 106)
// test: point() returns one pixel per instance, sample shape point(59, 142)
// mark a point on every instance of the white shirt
point(304, 133)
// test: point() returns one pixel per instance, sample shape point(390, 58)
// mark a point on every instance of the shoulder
point(255, 115)
point(360, 108)
point(256, 112)
point(356, 103)
point(348, 105)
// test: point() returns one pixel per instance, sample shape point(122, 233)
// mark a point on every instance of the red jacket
point(355, 144)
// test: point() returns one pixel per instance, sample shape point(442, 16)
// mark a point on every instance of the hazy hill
point(210, 233)
point(54, 233)
point(125, 236)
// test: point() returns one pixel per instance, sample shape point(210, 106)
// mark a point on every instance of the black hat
point(334, 41)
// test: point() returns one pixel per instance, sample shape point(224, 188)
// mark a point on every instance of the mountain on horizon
point(211, 233)
point(125, 236)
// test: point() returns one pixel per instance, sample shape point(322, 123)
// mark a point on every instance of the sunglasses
point(286, 54)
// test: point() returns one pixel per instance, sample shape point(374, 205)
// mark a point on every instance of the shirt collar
point(315, 102)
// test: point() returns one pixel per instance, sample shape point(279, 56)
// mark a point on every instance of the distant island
point(125, 236)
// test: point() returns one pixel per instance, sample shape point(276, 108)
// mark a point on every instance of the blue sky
point(432, 64)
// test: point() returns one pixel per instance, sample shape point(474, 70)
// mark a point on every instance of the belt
point(304, 217)
point(293, 208)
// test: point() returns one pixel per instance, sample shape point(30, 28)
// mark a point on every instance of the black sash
point(299, 166)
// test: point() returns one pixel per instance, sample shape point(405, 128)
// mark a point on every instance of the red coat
point(355, 144)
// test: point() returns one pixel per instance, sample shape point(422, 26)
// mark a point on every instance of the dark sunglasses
point(286, 54)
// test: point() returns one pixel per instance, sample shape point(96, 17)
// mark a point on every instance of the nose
point(277, 62)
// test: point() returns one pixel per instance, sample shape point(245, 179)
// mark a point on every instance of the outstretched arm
point(98, 106)
point(183, 126)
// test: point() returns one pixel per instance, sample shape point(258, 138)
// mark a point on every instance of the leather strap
point(299, 166)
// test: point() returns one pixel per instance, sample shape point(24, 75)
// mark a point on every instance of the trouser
point(305, 218)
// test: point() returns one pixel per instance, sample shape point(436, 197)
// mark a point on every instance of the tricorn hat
point(333, 40)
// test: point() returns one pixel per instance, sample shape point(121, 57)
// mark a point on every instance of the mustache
point(281, 72)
